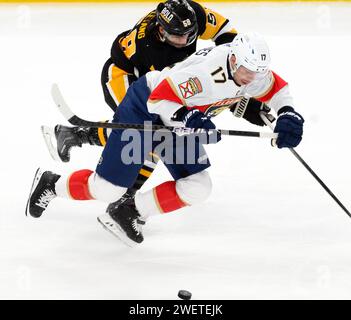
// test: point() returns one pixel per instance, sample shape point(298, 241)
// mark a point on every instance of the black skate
point(41, 193)
point(130, 194)
point(66, 138)
point(121, 220)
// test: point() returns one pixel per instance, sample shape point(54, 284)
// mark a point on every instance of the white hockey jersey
point(204, 81)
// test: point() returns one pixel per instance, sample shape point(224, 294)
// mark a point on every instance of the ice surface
point(268, 231)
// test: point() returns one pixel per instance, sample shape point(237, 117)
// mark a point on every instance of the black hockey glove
point(249, 109)
point(289, 128)
point(195, 119)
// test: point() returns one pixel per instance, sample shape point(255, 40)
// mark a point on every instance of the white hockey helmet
point(251, 51)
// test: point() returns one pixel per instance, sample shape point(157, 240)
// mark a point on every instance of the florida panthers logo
point(216, 108)
point(190, 88)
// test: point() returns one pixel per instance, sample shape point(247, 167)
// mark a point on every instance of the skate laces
point(45, 198)
point(135, 225)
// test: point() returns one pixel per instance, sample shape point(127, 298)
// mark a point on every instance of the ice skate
point(41, 193)
point(60, 140)
point(122, 220)
point(130, 194)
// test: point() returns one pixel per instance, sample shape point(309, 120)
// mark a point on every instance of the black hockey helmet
point(177, 17)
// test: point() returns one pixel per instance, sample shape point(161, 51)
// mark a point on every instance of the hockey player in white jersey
point(189, 94)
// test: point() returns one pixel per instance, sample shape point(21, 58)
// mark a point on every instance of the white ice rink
point(268, 231)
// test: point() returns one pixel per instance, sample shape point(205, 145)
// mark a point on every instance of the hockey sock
point(146, 171)
point(161, 199)
point(75, 186)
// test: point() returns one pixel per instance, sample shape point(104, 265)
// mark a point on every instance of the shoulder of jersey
point(143, 26)
point(202, 61)
point(217, 54)
point(205, 69)
point(200, 15)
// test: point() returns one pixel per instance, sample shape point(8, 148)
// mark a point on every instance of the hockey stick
point(309, 169)
point(77, 121)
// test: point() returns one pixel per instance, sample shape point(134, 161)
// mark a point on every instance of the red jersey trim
point(165, 91)
point(277, 84)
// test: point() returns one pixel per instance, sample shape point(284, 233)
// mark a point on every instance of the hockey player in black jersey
point(163, 37)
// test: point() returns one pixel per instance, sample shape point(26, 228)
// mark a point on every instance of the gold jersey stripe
point(145, 173)
point(154, 155)
point(101, 136)
point(214, 22)
point(174, 89)
point(153, 101)
point(268, 90)
point(117, 83)
point(233, 31)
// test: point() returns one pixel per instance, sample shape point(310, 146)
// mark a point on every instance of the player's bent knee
point(195, 188)
point(104, 190)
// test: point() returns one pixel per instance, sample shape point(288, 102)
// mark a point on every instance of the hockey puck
point(185, 295)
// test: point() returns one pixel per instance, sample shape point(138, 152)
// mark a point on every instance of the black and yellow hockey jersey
point(139, 50)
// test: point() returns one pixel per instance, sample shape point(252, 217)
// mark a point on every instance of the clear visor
point(180, 41)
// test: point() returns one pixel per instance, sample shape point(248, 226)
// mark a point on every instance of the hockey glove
point(195, 119)
point(289, 128)
point(249, 109)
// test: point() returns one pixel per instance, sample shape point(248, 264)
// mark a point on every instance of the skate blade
point(49, 135)
point(35, 182)
point(110, 225)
